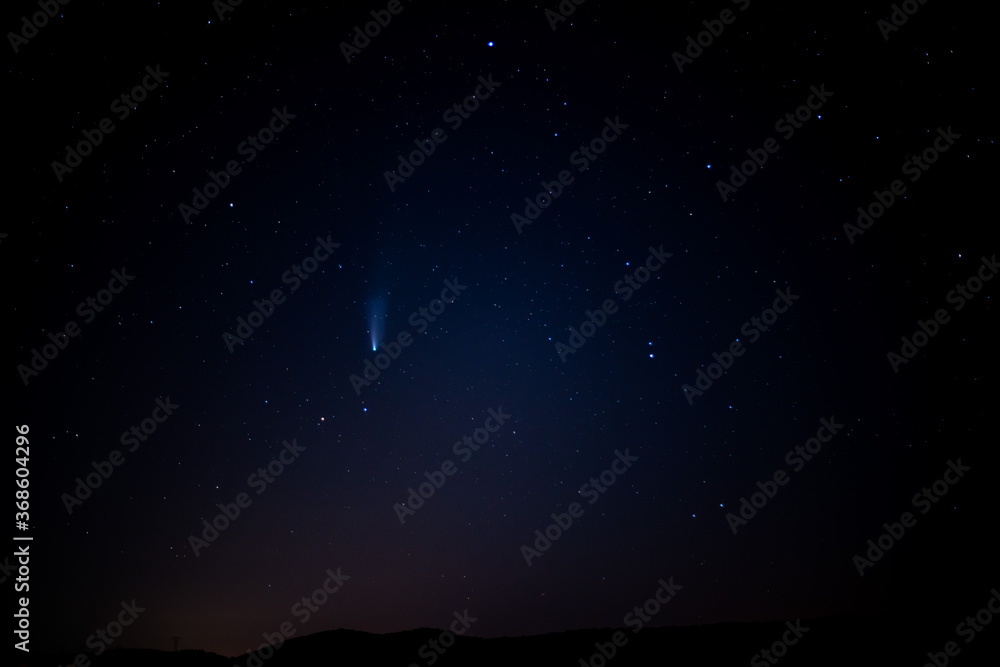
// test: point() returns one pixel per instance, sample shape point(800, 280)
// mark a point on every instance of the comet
point(376, 321)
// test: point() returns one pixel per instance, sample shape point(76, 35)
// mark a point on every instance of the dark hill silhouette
point(832, 641)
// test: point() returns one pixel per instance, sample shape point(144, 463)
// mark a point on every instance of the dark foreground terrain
point(836, 641)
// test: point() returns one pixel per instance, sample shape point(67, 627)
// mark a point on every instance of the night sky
point(237, 319)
